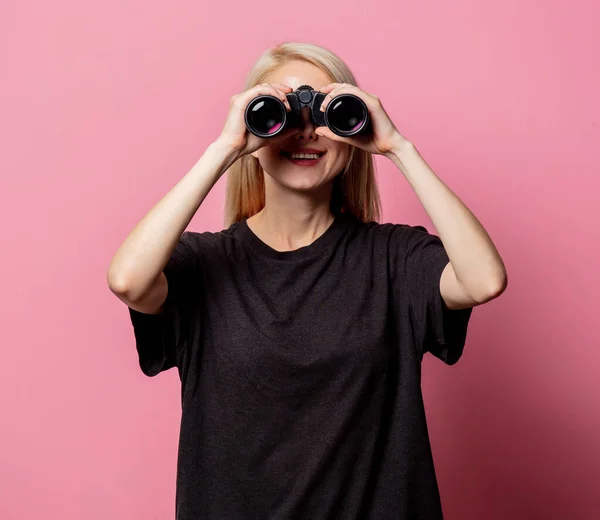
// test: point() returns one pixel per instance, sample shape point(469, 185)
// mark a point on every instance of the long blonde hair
point(354, 191)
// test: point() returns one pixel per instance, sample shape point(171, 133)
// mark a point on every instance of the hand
point(384, 137)
point(235, 136)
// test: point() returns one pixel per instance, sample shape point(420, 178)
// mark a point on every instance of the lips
point(304, 150)
point(288, 153)
point(303, 162)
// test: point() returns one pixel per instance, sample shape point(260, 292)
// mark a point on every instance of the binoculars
point(346, 115)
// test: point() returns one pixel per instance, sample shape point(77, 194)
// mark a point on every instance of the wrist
point(400, 146)
point(224, 150)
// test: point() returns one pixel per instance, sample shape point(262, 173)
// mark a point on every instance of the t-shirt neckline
point(313, 249)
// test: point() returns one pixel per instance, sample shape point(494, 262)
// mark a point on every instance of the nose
point(306, 127)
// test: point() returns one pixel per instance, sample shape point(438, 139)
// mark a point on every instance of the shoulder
point(394, 241)
point(404, 244)
point(203, 239)
point(209, 244)
point(393, 234)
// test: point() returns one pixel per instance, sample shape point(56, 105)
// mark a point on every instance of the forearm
point(474, 258)
point(148, 247)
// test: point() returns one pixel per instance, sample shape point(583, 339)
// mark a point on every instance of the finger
point(282, 89)
point(330, 87)
point(334, 92)
point(270, 89)
point(283, 86)
point(369, 100)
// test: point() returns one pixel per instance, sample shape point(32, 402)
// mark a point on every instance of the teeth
point(304, 156)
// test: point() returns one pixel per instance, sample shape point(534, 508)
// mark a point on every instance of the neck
point(293, 219)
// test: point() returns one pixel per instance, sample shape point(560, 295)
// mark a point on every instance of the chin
point(299, 180)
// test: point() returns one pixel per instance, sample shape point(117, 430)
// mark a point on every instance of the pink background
point(105, 106)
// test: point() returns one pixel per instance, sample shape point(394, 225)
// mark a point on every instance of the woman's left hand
point(384, 137)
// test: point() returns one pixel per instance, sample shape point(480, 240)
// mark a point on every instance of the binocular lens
point(266, 115)
point(346, 113)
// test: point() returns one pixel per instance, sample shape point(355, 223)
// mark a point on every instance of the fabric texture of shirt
point(301, 371)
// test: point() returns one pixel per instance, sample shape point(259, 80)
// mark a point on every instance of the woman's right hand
point(235, 136)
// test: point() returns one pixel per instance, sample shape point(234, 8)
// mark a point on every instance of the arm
point(135, 272)
point(476, 273)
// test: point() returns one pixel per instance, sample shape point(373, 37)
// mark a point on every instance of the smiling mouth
point(288, 155)
point(311, 160)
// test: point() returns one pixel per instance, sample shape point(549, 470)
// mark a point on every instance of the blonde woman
point(299, 329)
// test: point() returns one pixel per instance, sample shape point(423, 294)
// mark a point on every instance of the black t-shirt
point(301, 371)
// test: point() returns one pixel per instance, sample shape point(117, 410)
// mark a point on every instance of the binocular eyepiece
point(346, 115)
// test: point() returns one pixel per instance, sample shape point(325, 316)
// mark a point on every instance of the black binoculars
point(346, 115)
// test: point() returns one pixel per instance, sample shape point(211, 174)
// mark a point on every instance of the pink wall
point(106, 106)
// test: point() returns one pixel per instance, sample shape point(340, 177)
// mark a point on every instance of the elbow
point(500, 284)
point(494, 289)
point(118, 284)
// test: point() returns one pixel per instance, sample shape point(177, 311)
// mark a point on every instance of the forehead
point(296, 73)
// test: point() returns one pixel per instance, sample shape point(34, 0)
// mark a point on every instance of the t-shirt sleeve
point(418, 259)
point(161, 338)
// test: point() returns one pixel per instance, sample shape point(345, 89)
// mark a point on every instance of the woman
point(298, 331)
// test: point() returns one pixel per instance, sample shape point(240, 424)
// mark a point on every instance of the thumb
point(325, 132)
point(285, 134)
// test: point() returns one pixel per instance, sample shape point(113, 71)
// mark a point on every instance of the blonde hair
point(354, 191)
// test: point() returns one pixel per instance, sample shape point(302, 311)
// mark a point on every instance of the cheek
point(341, 157)
point(267, 157)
